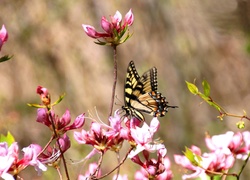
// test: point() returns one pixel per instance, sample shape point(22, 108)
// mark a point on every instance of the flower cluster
point(11, 165)
point(114, 29)
point(34, 155)
point(224, 149)
point(103, 138)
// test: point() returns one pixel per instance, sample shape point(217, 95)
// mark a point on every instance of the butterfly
point(140, 94)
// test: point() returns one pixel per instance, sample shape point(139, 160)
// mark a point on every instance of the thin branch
point(115, 80)
point(61, 152)
point(244, 165)
point(123, 160)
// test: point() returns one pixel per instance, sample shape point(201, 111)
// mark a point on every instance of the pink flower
point(30, 157)
point(10, 164)
point(143, 137)
point(113, 29)
point(184, 162)
point(103, 137)
point(95, 137)
point(229, 142)
point(7, 158)
point(153, 168)
point(61, 124)
point(3, 36)
point(217, 161)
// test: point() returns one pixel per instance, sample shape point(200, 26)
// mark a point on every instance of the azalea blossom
point(196, 171)
point(114, 29)
point(153, 168)
point(3, 36)
point(217, 161)
point(103, 137)
point(11, 165)
point(61, 124)
point(143, 137)
point(229, 143)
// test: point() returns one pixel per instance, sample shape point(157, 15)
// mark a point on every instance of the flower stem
point(61, 152)
point(115, 80)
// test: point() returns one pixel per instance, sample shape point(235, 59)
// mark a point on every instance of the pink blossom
point(11, 164)
point(153, 168)
point(113, 29)
point(215, 161)
point(7, 158)
point(229, 142)
point(3, 36)
point(104, 137)
point(30, 157)
point(184, 162)
point(143, 137)
point(218, 161)
point(61, 124)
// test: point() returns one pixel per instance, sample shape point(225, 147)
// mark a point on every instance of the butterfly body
point(141, 94)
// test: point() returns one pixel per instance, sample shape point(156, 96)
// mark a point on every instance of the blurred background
point(185, 40)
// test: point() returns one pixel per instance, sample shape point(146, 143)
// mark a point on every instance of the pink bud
point(129, 18)
point(106, 26)
point(3, 36)
point(64, 143)
point(117, 18)
point(91, 32)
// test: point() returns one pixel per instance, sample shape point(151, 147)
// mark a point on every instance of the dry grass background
point(185, 40)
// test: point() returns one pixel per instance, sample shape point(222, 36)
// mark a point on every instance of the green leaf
point(5, 58)
point(206, 88)
point(9, 138)
point(192, 88)
point(59, 99)
point(192, 157)
point(36, 105)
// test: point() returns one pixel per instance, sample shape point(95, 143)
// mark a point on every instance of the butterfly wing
point(131, 91)
point(148, 81)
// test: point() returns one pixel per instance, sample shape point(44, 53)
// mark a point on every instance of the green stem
point(244, 165)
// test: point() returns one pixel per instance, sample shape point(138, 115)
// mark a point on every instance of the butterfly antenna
point(172, 106)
